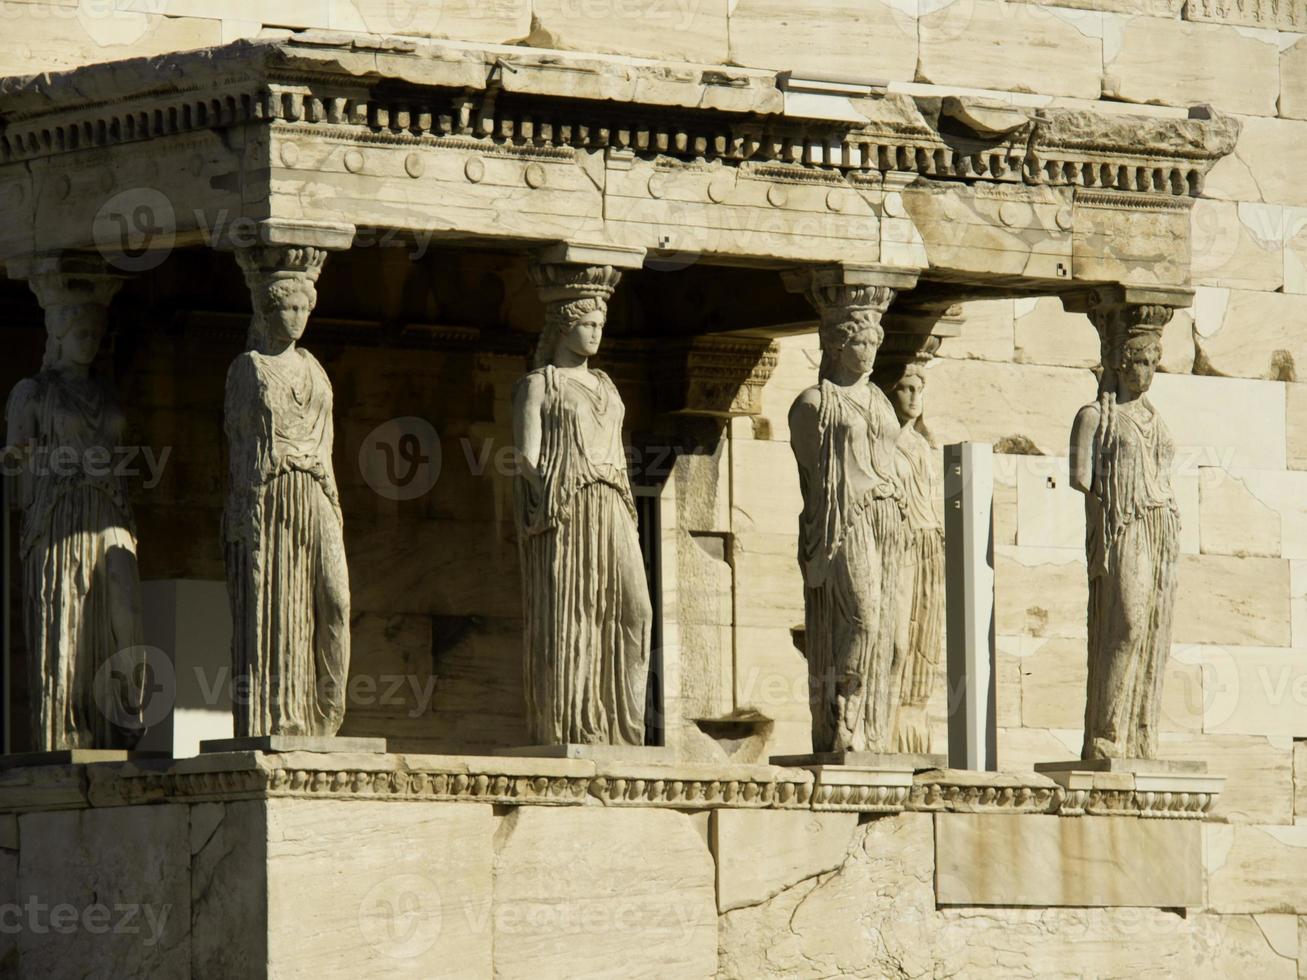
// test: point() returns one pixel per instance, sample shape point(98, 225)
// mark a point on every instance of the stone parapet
point(516, 781)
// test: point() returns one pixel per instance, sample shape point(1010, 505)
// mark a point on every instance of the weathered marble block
point(1043, 861)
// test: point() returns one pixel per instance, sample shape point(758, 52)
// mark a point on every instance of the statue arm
point(20, 416)
point(528, 429)
point(1082, 448)
point(804, 435)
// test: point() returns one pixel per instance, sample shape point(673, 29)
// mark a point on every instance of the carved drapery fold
point(77, 544)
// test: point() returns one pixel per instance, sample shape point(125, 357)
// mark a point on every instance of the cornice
point(518, 100)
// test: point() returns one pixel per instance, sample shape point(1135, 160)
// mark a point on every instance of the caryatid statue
point(285, 549)
point(588, 615)
point(844, 434)
point(1121, 457)
point(82, 595)
point(919, 634)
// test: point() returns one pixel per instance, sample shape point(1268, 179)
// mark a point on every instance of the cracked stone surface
point(875, 917)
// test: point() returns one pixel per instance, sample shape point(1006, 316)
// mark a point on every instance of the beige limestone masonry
point(1296, 426)
point(654, 29)
point(1035, 861)
point(1040, 591)
point(1259, 426)
point(1245, 333)
point(111, 858)
point(1254, 512)
point(1293, 78)
point(1233, 601)
point(1045, 333)
point(1259, 771)
point(966, 43)
point(986, 332)
point(445, 854)
point(652, 913)
point(1300, 779)
point(53, 37)
point(1183, 64)
point(983, 401)
point(1256, 868)
point(760, 854)
point(1052, 686)
point(853, 39)
point(877, 915)
point(1295, 250)
point(1262, 166)
point(1298, 599)
point(1251, 690)
point(1223, 421)
point(1238, 245)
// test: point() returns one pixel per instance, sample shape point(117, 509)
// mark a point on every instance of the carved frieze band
point(1279, 15)
point(826, 789)
point(483, 787)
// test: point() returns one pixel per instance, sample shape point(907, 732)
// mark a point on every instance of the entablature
point(515, 145)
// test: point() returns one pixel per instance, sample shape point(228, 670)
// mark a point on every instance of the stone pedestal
point(891, 761)
point(1138, 766)
point(655, 754)
point(293, 743)
point(1135, 787)
point(188, 622)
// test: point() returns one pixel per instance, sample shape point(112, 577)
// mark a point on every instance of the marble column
point(586, 602)
point(1121, 459)
point(282, 528)
point(844, 433)
point(77, 543)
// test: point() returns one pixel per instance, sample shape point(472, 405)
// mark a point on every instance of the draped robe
point(849, 552)
point(1133, 545)
point(286, 570)
point(77, 615)
point(920, 633)
point(588, 614)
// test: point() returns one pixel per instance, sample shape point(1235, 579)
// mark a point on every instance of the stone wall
point(469, 867)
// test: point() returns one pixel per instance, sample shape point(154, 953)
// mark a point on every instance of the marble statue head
point(577, 324)
point(281, 283)
point(73, 333)
point(907, 393)
point(281, 308)
point(1131, 345)
point(850, 341)
point(1136, 360)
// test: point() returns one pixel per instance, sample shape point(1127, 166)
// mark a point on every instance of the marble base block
point(74, 757)
point(293, 743)
point(1148, 767)
point(908, 761)
point(595, 753)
